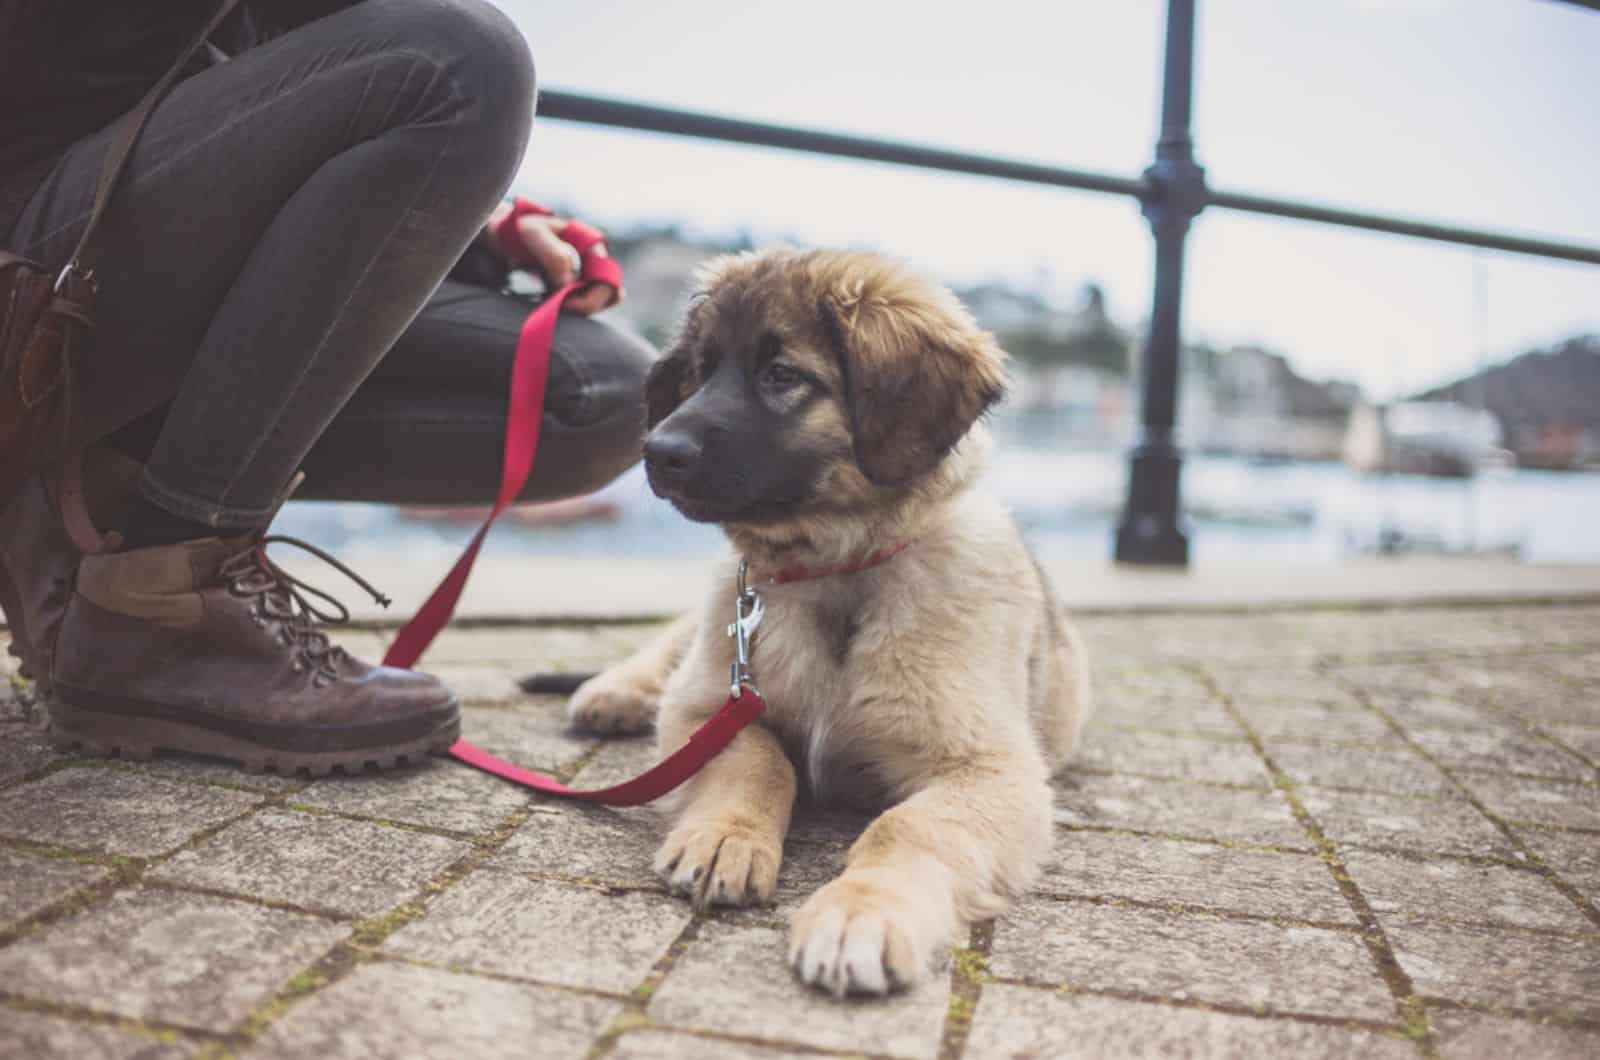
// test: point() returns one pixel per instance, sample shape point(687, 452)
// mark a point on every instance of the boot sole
point(138, 737)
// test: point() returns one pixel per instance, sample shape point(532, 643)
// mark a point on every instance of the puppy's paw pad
point(611, 706)
point(720, 863)
point(855, 937)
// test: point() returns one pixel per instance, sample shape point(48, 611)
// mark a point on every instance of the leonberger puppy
point(824, 408)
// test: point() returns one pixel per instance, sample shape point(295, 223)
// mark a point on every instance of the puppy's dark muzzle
point(671, 460)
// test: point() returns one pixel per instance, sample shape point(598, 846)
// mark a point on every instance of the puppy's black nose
point(671, 458)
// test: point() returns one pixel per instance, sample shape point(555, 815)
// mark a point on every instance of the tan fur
point(955, 697)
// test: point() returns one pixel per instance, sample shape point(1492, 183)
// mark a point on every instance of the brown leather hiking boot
point(38, 561)
point(209, 647)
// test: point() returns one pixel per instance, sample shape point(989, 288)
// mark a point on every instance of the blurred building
point(1548, 401)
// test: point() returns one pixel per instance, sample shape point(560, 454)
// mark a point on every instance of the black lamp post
point(1151, 528)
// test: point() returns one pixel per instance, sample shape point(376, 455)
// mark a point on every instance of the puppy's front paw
point(857, 936)
point(612, 705)
point(720, 862)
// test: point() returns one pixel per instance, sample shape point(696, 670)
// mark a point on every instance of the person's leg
point(284, 218)
point(428, 427)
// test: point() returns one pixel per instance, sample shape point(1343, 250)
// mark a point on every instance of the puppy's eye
point(779, 376)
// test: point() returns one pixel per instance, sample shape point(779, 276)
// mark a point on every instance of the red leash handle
point(594, 265)
point(525, 405)
point(507, 238)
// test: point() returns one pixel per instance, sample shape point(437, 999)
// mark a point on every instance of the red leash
point(529, 371)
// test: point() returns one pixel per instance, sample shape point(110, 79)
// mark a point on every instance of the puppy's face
point(808, 383)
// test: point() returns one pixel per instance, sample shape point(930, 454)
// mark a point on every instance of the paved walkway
point(1307, 833)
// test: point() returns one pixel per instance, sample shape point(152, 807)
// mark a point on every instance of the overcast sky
point(1482, 112)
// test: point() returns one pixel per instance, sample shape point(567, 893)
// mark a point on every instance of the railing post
point(1151, 529)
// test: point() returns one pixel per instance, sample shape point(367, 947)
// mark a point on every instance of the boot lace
point(276, 595)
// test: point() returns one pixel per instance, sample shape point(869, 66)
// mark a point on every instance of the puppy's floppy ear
point(671, 379)
point(666, 385)
point(918, 372)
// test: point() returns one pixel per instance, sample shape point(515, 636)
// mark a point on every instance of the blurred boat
point(1424, 438)
point(1394, 541)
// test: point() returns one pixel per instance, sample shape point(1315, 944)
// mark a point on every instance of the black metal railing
point(1170, 192)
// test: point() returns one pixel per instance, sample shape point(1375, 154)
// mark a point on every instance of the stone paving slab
point(618, 760)
point(1482, 966)
point(1425, 825)
point(1208, 875)
point(115, 811)
point(1575, 857)
point(537, 929)
point(1581, 667)
point(595, 843)
point(1216, 640)
point(322, 863)
point(1404, 890)
point(776, 1007)
point(34, 1036)
point(650, 1043)
point(1267, 693)
point(1583, 740)
point(397, 1010)
point(1474, 1036)
point(34, 883)
point(1531, 691)
point(1014, 1021)
point(438, 794)
point(1195, 904)
point(1163, 704)
point(1387, 770)
point(1548, 802)
point(1422, 696)
point(1148, 952)
point(1278, 723)
point(196, 770)
point(180, 959)
point(1176, 808)
point(1170, 755)
point(1131, 677)
point(535, 735)
point(23, 749)
point(1503, 750)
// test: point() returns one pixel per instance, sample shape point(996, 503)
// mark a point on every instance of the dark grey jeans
point(270, 276)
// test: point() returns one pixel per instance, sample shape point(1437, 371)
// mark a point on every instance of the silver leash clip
point(748, 609)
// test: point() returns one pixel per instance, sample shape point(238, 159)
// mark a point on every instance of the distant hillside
point(1548, 401)
point(1242, 399)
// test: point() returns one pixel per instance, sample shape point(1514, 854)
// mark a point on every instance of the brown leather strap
point(74, 505)
point(133, 126)
point(69, 466)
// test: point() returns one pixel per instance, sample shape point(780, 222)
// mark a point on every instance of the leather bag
point(47, 315)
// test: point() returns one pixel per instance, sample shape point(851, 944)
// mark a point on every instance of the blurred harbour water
point(1066, 500)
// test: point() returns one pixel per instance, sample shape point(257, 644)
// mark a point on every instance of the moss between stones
point(303, 983)
point(970, 964)
point(371, 932)
point(77, 1014)
point(76, 901)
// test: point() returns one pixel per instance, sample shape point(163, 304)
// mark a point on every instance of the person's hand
point(555, 259)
